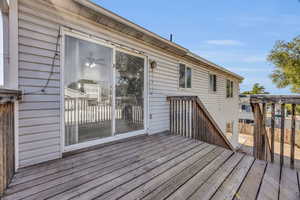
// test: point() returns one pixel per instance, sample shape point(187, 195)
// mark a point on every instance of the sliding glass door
point(129, 92)
point(88, 91)
point(99, 100)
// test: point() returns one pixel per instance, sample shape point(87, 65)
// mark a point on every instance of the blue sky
point(236, 34)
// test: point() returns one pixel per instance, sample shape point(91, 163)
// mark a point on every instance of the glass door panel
point(87, 88)
point(129, 95)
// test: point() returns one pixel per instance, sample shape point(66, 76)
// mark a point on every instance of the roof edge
point(215, 65)
point(97, 8)
point(115, 16)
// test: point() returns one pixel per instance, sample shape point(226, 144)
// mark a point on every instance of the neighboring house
point(245, 111)
point(89, 76)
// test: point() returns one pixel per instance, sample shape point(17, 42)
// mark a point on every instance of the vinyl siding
point(39, 113)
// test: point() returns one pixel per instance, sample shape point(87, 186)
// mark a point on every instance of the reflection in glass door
point(87, 91)
point(129, 95)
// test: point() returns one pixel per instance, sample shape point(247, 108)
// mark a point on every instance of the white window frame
point(86, 37)
point(185, 76)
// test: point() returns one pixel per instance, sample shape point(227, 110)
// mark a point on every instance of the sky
point(236, 34)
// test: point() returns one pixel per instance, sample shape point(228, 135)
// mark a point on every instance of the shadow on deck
point(155, 167)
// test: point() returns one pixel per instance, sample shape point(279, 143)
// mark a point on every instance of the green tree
point(288, 107)
point(256, 89)
point(286, 58)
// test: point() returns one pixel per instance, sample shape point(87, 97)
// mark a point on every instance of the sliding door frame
point(114, 137)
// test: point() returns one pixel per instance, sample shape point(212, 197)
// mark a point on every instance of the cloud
point(256, 58)
point(232, 56)
point(249, 69)
point(225, 42)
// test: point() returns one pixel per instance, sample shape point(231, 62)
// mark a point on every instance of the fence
point(248, 129)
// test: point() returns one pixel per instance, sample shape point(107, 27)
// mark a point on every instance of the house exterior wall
point(39, 113)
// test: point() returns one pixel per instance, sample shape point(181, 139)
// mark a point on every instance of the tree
point(286, 58)
point(256, 89)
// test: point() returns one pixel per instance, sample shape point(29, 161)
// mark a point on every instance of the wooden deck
point(155, 167)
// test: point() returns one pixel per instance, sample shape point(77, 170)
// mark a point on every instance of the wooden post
point(264, 133)
point(185, 118)
point(282, 134)
point(2, 173)
point(272, 131)
point(259, 144)
point(193, 119)
point(293, 136)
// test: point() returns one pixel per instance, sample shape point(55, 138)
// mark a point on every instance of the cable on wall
point(56, 53)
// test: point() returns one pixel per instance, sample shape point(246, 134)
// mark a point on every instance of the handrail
point(7, 165)
point(189, 117)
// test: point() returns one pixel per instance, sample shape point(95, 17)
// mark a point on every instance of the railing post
point(193, 119)
point(293, 136)
point(264, 134)
point(282, 134)
point(7, 164)
point(258, 136)
point(272, 131)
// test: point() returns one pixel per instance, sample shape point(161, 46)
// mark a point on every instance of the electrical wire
point(56, 53)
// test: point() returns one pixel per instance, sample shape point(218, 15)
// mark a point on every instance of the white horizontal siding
point(39, 113)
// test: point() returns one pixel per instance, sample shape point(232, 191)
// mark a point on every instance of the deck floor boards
point(155, 167)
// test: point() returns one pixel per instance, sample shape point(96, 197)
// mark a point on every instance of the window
point(229, 88)
point(213, 82)
point(185, 76)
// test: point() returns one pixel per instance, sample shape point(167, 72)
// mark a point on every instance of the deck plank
point(121, 156)
point(146, 187)
point(68, 161)
point(78, 185)
point(67, 182)
point(251, 184)
point(168, 187)
point(232, 183)
point(148, 170)
point(270, 184)
point(207, 190)
point(191, 186)
point(123, 189)
point(155, 167)
point(289, 185)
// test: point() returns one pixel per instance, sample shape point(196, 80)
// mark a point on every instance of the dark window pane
point(188, 77)
point(214, 83)
point(182, 76)
point(231, 88)
point(244, 107)
point(227, 88)
point(211, 82)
